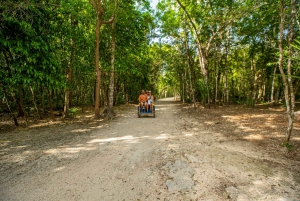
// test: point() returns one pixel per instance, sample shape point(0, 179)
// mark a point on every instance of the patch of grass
point(287, 145)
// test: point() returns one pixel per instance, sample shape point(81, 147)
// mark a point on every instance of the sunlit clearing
point(254, 137)
point(59, 169)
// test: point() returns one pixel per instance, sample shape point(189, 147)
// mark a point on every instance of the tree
point(110, 111)
point(287, 76)
point(98, 6)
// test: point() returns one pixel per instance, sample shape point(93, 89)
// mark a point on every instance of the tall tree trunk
point(69, 74)
point(289, 71)
point(217, 76)
point(252, 90)
point(192, 91)
point(97, 69)
point(226, 69)
point(202, 53)
point(110, 112)
point(287, 79)
point(67, 92)
point(99, 12)
point(183, 86)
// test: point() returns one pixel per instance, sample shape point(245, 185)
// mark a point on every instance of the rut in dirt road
point(170, 157)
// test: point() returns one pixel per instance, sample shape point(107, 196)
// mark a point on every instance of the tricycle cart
point(142, 112)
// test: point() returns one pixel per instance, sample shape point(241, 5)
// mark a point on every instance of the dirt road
point(170, 157)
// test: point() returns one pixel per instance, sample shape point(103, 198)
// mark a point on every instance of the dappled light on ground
point(228, 146)
point(59, 169)
point(80, 130)
point(254, 137)
point(258, 126)
point(124, 138)
point(162, 136)
point(263, 125)
point(188, 134)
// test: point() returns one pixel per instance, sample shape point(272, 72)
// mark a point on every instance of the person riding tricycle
point(146, 104)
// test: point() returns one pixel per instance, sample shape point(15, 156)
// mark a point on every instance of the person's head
point(149, 92)
point(143, 91)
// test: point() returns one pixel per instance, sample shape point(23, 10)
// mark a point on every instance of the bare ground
point(228, 153)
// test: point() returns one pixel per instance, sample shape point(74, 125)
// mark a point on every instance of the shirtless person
point(143, 100)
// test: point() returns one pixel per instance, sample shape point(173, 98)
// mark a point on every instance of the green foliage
point(287, 145)
point(74, 111)
point(40, 40)
point(201, 86)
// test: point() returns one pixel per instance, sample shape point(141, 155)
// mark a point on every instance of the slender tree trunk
point(50, 104)
point(192, 91)
point(110, 112)
point(217, 76)
point(226, 70)
point(68, 91)
point(69, 74)
point(289, 71)
point(97, 70)
point(202, 53)
point(35, 103)
point(287, 79)
point(99, 12)
point(226, 88)
point(252, 90)
point(277, 93)
point(273, 85)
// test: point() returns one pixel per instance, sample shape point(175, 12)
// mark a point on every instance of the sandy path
point(132, 158)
